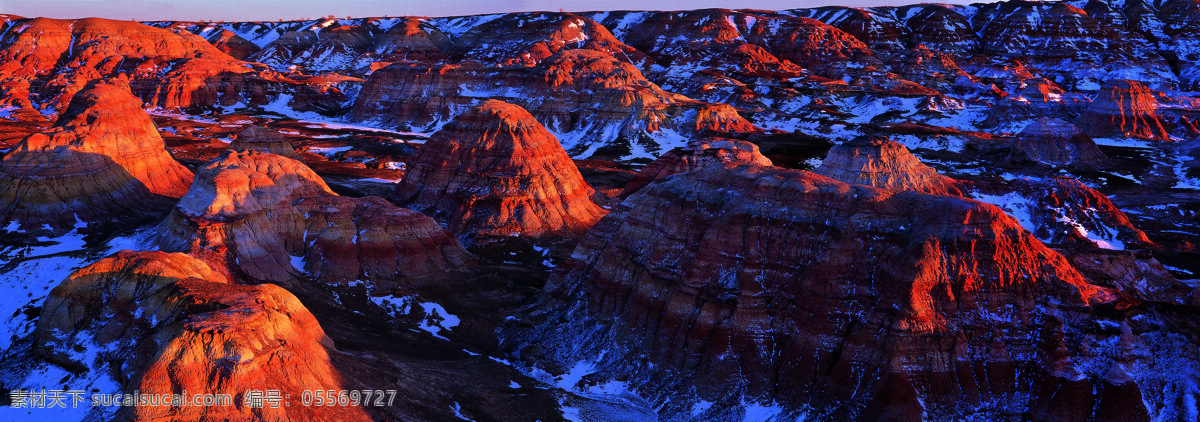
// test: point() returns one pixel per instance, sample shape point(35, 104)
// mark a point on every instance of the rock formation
point(257, 138)
point(43, 62)
point(882, 163)
point(1124, 108)
point(781, 286)
point(934, 69)
point(525, 39)
point(940, 28)
point(1055, 142)
point(370, 239)
point(1063, 208)
point(1063, 41)
point(167, 323)
point(623, 110)
point(710, 39)
point(239, 213)
point(698, 154)
point(103, 160)
point(881, 32)
point(412, 40)
point(1036, 98)
point(272, 218)
point(495, 171)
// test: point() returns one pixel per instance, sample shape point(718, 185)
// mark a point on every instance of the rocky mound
point(704, 39)
point(884, 34)
point(525, 39)
point(940, 28)
point(1124, 108)
point(239, 213)
point(934, 69)
point(412, 40)
point(755, 285)
point(625, 113)
point(257, 138)
point(51, 59)
point(370, 239)
point(167, 323)
point(272, 218)
point(698, 154)
point(1055, 142)
point(1062, 209)
point(43, 62)
point(495, 171)
point(1036, 98)
point(103, 160)
point(813, 45)
point(326, 46)
point(880, 162)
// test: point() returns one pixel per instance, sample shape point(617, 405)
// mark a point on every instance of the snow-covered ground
point(28, 275)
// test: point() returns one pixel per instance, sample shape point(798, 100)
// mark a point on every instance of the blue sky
point(298, 9)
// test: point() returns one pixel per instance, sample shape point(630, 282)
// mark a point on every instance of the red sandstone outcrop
point(167, 323)
point(882, 163)
point(690, 38)
point(43, 62)
point(232, 44)
point(525, 39)
point(272, 218)
point(789, 287)
point(880, 31)
point(813, 45)
point(257, 138)
point(51, 58)
point(225, 40)
point(1055, 142)
point(1124, 108)
point(698, 154)
point(495, 171)
point(102, 161)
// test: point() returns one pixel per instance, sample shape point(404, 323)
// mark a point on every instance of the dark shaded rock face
point(1124, 108)
point(770, 285)
point(698, 154)
point(588, 98)
point(882, 163)
point(1056, 142)
point(495, 171)
point(272, 218)
point(256, 138)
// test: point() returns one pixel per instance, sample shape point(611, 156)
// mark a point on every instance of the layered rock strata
point(882, 163)
point(698, 154)
point(495, 171)
point(102, 160)
point(764, 285)
point(272, 218)
point(168, 324)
